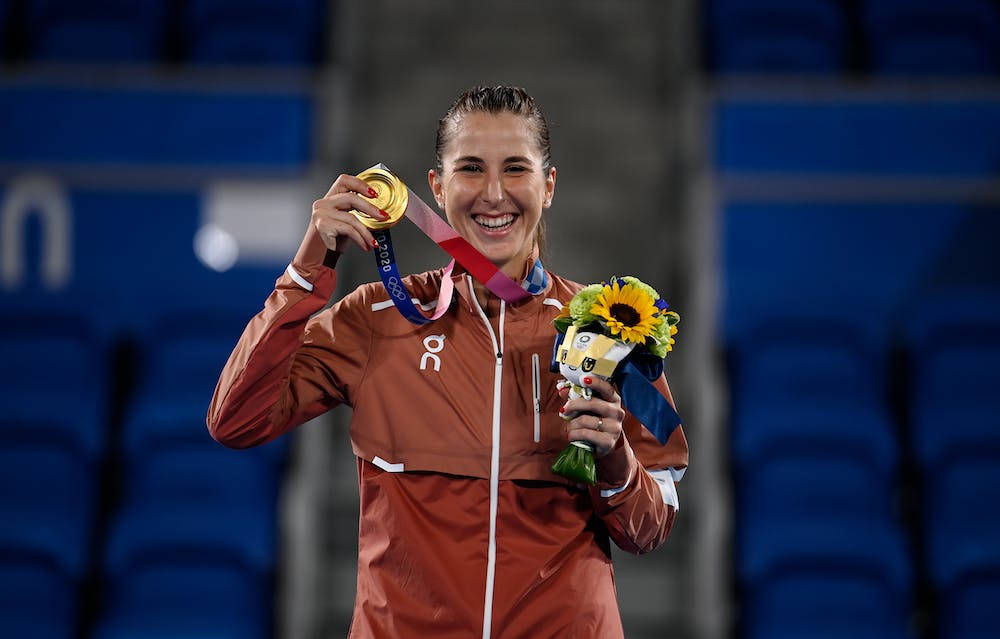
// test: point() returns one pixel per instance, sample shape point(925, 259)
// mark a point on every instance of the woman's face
point(493, 186)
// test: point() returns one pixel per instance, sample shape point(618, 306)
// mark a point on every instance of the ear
point(437, 187)
point(550, 187)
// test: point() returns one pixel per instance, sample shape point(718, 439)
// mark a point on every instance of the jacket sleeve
point(636, 492)
point(290, 366)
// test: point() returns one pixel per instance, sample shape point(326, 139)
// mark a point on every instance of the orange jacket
point(464, 528)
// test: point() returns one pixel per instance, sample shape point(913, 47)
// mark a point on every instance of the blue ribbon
point(537, 279)
point(385, 260)
point(634, 377)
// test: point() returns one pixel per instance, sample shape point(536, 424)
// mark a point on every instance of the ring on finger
point(600, 424)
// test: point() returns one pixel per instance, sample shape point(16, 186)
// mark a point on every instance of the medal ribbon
point(464, 253)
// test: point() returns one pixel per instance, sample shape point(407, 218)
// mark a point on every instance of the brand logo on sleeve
point(434, 344)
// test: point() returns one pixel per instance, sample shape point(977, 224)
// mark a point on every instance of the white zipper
point(536, 392)
point(491, 555)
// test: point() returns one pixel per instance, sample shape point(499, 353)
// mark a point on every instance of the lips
point(494, 223)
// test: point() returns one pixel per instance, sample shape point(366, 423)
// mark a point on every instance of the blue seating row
point(815, 461)
point(208, 31)
point(192, 543)
point(902, 36)
point(862, 133)
point(155, 128)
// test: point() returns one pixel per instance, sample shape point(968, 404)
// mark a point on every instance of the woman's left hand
point(600, 419)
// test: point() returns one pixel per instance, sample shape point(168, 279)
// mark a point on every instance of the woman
point(464, 528)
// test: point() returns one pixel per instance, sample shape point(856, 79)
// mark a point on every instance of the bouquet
point(601, 328)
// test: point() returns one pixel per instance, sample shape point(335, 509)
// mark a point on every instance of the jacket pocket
point(536, 395)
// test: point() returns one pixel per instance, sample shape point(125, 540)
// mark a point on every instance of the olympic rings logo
point(395, 288)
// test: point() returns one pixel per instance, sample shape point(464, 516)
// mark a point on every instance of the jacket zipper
point(536, 391)
point(491, 556)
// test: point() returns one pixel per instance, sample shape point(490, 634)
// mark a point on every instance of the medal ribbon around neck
point(396, 199)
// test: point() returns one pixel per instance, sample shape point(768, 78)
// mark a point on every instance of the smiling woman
point(494, 174)
point(465, 530)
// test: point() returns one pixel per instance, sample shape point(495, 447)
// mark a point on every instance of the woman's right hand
point(333, 221)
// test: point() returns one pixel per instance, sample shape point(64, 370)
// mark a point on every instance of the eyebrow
point(472, 158)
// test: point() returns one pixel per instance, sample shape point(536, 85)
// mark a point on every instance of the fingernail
point(374, 243)
point(384, 213)
point(372, 192)
point(588, 380)
point(562, 409)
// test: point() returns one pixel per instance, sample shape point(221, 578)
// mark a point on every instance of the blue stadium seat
point(210, 598)
point(953, 341)
point(182, 355)
point(956, 410)
point(928, 36)
point(253, 32)
point(263, 131)
point(873, 547)
point(105, 31)
point(825, 604)
point(969, 609)
point(859, 132)
point(53, 384)
point(813, 486)
point(962, 518)
point(776, 35)
point(199, 502)
point(825, 431)
point(788, 360)
point(37, 600)
point(192, 551)
point(47, 496)
point(52, 432)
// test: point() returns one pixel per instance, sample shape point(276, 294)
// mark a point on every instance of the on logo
point(433, 344)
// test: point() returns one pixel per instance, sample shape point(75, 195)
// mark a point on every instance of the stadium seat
point(812, 486)
point(927, 36)
point(962, 519)
point(858, 132)
point(182, 355)
point(839, 578)
point(826, 431)
point(873, 547)
point(105, 31)
point(52, 433)
point(767, 36)
point(158, 128)
point(254, 32)
point(203, 501)
point(37, 599)
point(210, 598)
point(802, 361)
point(53, 384)
point(953, 342)
point(969, 608)
point(48, 500)
point(192, 550)
point(825, 604)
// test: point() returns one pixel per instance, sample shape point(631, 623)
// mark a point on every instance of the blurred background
point(813, 184)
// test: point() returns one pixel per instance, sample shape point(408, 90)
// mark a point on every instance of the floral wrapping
point(601, 327)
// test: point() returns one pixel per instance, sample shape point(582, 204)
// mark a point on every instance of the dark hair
point(498, 99)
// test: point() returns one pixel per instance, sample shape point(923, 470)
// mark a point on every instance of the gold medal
point(392, 196)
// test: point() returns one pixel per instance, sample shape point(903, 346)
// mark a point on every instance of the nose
point(493, 191)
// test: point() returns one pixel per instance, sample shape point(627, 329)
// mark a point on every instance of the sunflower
point(563, 319)
point(628, 311)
